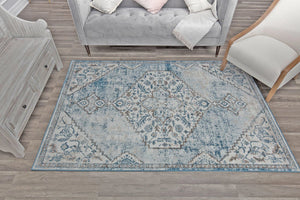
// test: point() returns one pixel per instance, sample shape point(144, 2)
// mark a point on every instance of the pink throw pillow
point(152, 6)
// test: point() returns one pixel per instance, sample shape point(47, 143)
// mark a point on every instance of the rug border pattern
point(227, 168)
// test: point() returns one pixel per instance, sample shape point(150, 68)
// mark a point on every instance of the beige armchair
point(269, 49)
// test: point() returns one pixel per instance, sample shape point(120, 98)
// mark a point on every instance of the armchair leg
point(295, 78)
point(271, 93)
point(218, 50)
point(276, 86)
point(281, 77)
point(224, 63)
point(87, 48)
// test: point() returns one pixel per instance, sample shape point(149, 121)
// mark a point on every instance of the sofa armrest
point(80, 10)
point(226, 19)
point(21, 28)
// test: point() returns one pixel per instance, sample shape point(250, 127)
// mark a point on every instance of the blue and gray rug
point(162, 116)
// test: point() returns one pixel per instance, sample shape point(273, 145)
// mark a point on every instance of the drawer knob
point(46, 66)
point(24, 106)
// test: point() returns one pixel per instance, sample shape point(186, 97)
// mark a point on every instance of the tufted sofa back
point(222, 5)
point(169, 4)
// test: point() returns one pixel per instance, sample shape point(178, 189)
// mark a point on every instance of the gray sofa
point(132, 25)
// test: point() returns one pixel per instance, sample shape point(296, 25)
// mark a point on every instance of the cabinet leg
point(59, 66)
point(12, 145)
point(87, 48)
point(18, 153)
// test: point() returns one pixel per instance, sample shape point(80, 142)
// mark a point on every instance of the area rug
point(162, 116)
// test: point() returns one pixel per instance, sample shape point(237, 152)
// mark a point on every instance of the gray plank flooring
point(18, 182)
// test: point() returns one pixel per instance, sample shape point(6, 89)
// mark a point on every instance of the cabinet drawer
point(43, 69)
point(21, 110)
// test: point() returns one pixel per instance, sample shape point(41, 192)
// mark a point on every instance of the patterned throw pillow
point(106, 6)
point(153, 6)
point(197, 5)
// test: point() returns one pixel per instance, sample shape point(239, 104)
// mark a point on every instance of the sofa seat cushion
point(262, 57)
point(136, 26)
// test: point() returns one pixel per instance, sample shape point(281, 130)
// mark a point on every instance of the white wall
point(14, 6)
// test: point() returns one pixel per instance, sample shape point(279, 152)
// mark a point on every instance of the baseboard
point(16, 7)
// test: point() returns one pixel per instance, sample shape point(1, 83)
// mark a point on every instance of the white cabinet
point(27, 58)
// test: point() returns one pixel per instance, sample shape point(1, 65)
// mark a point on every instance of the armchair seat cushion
point(262, 57)
point(136, 26)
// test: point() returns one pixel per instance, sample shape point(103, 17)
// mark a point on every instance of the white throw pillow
point(153, 6)
point(106, 6)
point(214, 9)
point(197, 5)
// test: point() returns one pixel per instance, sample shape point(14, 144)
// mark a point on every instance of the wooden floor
point(18, 182)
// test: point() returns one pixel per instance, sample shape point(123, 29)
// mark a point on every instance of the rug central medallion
point(162, 109)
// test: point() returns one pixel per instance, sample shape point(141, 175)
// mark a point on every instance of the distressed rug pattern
point(162, 116)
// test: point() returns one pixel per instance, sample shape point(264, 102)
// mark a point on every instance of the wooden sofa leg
point(295, 78)
point(87, 48)
point(218, 50)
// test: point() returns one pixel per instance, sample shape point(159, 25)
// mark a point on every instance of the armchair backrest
point(282, 23)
